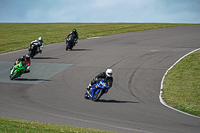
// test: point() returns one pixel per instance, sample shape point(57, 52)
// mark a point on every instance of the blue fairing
point(71, 39)
point(96, 88)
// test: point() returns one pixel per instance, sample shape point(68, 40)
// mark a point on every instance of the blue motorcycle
point(96, 91)
point(70, 42)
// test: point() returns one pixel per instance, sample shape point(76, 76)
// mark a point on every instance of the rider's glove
point(93, 82)
point(96, 79)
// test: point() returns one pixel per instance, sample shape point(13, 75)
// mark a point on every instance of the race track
point(54, 90)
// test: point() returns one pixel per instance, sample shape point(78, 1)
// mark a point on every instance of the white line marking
point(14, 51)
point(98, 123)
point(161, 87)
point(93, 37)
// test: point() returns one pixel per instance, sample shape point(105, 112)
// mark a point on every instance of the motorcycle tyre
point(71, 46)
point(97, 96)
point(14, 76)
point(67, 48)
point(30, 54)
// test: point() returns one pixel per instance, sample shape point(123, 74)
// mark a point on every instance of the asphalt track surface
point(139, 61)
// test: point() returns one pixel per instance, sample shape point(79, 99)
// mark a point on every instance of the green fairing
point(19, 67)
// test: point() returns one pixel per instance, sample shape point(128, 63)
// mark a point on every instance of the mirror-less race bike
point(70, 42)
point(96, 91)
point(17, 70)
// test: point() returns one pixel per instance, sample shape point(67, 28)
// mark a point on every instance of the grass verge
point(8, 125)
point(182, 85)
point(16, 36)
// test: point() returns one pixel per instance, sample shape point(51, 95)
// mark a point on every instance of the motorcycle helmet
point(18, 59)
point(40, 39)
point(22, 59)
point(109, 72)
point(74, 30)
point(27, 57)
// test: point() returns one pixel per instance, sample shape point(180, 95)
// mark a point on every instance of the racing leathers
point(39, 42)
point(102, 75)
point(27, 63)
point(28, 66)
point(75, 35)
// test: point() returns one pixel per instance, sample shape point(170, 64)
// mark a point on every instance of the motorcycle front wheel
point(30, 53)
point(66, 47)
point(14, 75)
point(97, 95)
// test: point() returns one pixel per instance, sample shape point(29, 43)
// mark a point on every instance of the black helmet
point(74, 30)
point(22, 59)
point(18, 59)
point(27, 57)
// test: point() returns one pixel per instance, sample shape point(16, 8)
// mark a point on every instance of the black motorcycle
point(33, 50)
point(70, 42)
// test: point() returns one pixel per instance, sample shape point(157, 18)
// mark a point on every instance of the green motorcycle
point(17, 70)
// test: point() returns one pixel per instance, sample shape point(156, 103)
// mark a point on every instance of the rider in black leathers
point(107, 76)
point(27, 60)
point(39, 42)
point(75, 35)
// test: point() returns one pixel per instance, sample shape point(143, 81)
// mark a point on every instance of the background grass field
point(181, 85)
point(16, 36)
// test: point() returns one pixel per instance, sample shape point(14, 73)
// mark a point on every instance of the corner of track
point(161, 87)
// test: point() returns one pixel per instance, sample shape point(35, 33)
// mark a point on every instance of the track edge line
point(161, 87)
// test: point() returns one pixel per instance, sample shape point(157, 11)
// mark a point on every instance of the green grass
point(182, 85)
point(8, 125)
point(16, 36)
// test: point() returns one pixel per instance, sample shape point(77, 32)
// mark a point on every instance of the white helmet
point(109, 72)
point(39, 38)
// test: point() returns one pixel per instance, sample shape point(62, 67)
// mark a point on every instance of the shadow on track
point(44, 58)
point(115, 101)
point(26, 79)
point(81, 50)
